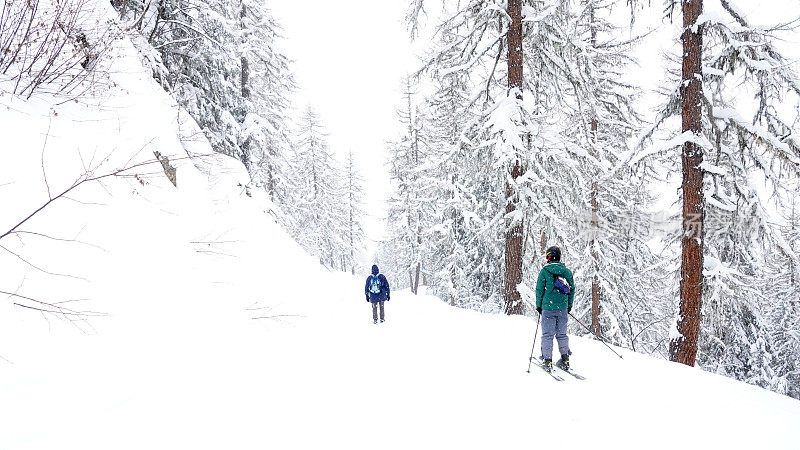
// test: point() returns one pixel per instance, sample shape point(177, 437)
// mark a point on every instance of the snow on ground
point(219, 332)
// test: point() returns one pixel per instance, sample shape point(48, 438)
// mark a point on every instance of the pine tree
point(730, 153)
point(409, 208)
point(320, 213)
point(474, 38)
point(266, 81)
point(514, 221)
point(223, 64)
point(783, 372)
point(683, 349)
point(612, 196)
point(449, 243)
point(355, 235)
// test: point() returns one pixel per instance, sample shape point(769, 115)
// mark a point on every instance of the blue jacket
point(384, 293)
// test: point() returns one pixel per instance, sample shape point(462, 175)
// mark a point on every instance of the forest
point(525, 125)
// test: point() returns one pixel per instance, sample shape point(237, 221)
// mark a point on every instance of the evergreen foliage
point(590, 168)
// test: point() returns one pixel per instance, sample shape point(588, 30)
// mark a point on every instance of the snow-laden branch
point(677, 141)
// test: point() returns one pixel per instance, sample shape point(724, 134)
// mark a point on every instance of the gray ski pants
point(375, 310)
point(554, 323)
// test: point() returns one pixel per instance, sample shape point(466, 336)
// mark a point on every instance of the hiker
point(377, 291)
point(554, 293)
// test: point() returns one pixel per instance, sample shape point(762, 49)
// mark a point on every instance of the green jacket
point(547, 296)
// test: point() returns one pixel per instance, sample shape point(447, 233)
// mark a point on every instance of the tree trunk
point(513, 245)
point(793, 228)
point(416, 278)
point(683, 349)
point(245, 77)
point(595, 258)
point(270, 183)
point(352, 219)
point(245, 64)
point(595, 225)
point(246, 151)
point(543, 241)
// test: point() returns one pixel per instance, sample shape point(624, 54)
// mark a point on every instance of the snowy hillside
point(189, 320)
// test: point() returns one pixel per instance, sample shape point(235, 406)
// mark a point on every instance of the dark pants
point(375, 310)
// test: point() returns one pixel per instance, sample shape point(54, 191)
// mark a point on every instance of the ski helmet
point(553, 254)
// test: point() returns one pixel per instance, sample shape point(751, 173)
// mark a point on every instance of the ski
point(576, 375)
point(555, 377)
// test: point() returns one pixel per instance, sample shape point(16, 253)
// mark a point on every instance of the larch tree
point(223, 63)
point(450, 117)
point(683, 347)
point(321, 223)
point(355, 236)
point(474, 38)
point(409, 209)
point(727, 228)
point(516, 169)
point(610, 196)
point(783, 372)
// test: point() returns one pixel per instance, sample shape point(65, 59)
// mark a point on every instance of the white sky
point(350, 57)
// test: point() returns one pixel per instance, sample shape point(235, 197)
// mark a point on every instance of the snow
point(218, 331)
point(713, 17)
point(679, 140)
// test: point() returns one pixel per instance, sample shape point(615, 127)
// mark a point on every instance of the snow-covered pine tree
point(410, 209)
point(465, 243)
point(317, 206)
point(449, 241)
point(266, 81)
point(623, 280)
point(730, 211)
point(197, 41)
point(355, 236)
point(783, 316)
point(740, 232)
point(222, 62)
point(473, 42)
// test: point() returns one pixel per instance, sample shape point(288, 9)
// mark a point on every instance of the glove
point(388, 298)
point(367, 299)
point(539, 309)
point(569, 310)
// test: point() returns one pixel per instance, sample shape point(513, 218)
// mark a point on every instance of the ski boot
point(563, 363)
point(547, 365)
point(382, 320)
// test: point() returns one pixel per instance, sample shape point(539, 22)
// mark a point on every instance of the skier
point(377, 291)
point(554, 293)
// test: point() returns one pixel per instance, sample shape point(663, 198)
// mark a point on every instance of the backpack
point(561, 284)
point(375, 285)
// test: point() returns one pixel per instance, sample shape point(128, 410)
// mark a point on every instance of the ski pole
point(598, 337)
point(533, 348)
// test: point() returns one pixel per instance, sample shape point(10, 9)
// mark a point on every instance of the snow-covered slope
point(219, 332)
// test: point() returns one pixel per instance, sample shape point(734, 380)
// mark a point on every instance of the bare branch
point(18, 256)
point(44, 173)
point(33, 233)
point(88, 177)
point(51, 307)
